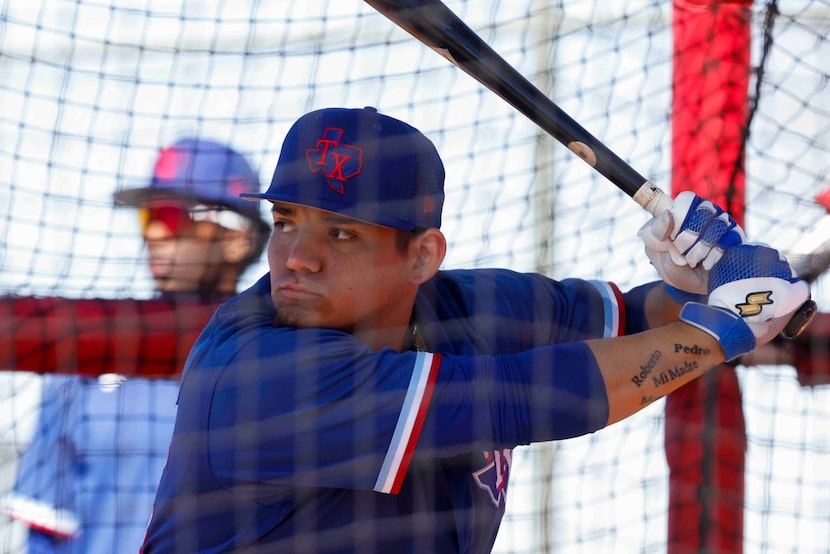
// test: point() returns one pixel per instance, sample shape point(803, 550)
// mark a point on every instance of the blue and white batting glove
point(753, 293)
point(684, 243)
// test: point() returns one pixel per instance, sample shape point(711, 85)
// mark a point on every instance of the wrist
point(732, 333)
point(681, 297)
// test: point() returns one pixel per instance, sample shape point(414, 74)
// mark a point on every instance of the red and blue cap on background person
point(823, 198)
point(361, 164)
point(198, 171)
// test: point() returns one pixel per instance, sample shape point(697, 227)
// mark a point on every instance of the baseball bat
point(435, 25)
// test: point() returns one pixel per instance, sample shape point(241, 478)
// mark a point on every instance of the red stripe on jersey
point(621, 303)
point(419, 423)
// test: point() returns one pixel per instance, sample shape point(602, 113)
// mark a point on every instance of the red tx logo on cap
point(338, 161)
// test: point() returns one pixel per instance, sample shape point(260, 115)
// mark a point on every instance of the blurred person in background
point(91, 460)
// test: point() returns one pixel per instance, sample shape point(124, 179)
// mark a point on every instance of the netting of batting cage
point(91, 90)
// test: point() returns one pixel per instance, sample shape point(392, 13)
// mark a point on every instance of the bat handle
point(652, 198)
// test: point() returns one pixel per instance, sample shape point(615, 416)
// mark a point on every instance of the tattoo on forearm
point(647, 368)
point(648, 400)
point(694, 349)
point(679, 370)
point(648, 371)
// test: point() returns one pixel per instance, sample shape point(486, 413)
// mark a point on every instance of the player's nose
point(304, 254)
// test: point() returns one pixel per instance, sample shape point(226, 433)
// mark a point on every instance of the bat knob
point(800, 319)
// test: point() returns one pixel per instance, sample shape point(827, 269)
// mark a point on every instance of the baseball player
point(87, 481)
point(357, 398)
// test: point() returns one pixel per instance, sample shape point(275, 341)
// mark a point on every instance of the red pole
point(705, 435)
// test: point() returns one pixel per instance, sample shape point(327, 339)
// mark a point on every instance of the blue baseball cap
point(198, 171)
point(361, 164)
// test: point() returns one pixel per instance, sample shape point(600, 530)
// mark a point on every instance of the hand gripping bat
point(434, 24)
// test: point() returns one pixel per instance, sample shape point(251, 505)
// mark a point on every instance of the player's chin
point(298, 321)
point(298, 314)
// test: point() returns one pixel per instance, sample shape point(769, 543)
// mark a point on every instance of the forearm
point(660, 309)
point(649, 306)
point(645, 367)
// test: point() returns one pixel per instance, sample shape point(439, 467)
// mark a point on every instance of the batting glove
point(684, 243)
point(753, 292)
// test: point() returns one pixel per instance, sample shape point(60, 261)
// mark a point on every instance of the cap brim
point(253, 196)
point(139, 196)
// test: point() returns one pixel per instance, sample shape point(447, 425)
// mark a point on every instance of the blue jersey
point(305, 440)
point(87, 481)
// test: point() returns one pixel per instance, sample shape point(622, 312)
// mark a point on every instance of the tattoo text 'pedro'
point(694, 349)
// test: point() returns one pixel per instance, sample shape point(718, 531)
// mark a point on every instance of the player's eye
point(283, 226)
point(342, 234)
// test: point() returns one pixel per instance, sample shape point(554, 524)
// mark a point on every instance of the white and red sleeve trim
point(62, 524)
point(410, 421)
point(613, 308)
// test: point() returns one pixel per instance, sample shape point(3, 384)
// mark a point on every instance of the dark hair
point(403, 238)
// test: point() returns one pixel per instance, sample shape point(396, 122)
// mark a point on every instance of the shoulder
point(485, 279)
point(493, 287)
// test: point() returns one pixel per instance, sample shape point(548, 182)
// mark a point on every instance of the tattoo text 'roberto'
point(647, 368)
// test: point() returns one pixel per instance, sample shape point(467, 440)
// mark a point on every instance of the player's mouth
point(295, 291)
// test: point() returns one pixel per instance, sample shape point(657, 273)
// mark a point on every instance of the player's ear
point(429, 247)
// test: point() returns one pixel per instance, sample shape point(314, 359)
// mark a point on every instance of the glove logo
point(754, 303)
point(338, 161)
